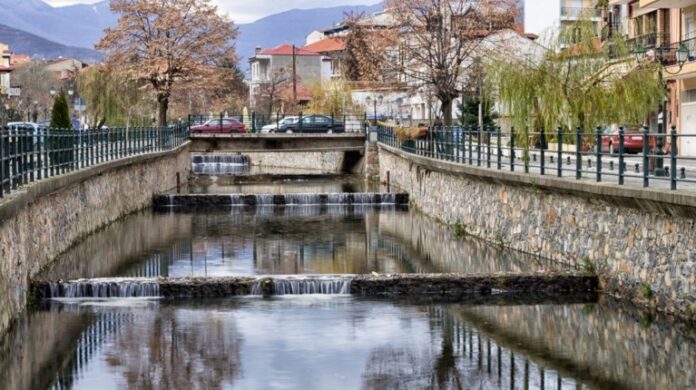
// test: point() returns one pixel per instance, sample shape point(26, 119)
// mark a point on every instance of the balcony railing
point(668, 53)
point(579, 13)
point(649, 41)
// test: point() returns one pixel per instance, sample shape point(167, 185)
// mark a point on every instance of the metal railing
point(257, 123)
point(30, 154)
point(633, 157)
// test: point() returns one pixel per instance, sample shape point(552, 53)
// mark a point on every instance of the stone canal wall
point(642, 243)
point(46, 218)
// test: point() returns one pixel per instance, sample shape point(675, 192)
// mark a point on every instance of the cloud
point(246, 11)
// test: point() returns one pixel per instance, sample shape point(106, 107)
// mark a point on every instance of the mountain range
point(36, 28)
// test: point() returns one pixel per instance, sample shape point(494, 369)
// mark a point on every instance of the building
point(660, 28)
point(275, 66)
point(545, 17)
point(64, 68)
point(5, 69)
point(333, 51)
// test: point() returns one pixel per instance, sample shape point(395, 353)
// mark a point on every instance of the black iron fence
point(279, 122)
point(28, 154)
point(625, 156)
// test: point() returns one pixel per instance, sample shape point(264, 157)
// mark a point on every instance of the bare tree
point(269, 95)
point(166, 41)
point(440, 38)
point(36, 83)
point(366, 49)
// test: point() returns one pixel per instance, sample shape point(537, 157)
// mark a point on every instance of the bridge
point(254, 142)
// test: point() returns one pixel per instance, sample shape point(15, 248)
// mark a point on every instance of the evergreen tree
point(469, 113)
point(60, 116)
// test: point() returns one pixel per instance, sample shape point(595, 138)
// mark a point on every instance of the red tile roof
point(286, 50)
point(327, 45)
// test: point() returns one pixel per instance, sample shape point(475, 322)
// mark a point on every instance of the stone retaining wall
point(46, 218)
point(642, 243)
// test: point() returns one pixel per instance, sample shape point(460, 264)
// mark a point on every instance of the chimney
point(258, 50)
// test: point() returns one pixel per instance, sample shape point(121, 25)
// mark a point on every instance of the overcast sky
point(245, 11)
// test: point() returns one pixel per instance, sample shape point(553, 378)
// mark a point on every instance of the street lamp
point(52, 91)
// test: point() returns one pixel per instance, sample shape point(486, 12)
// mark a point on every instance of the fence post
point(512, 149)
point(253, 121)
point(542, 141)
point(488, 147)
point(673, 158)
point(299, 122)
point(578, 153)
point(559, 153)
point(471, 145)
point(500, 148)
point(598, 154)
point(646, 165)
point(478, 146)
point(622, 169)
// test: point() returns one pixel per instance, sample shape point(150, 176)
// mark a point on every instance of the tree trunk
point(446, 109)
point(163, 107)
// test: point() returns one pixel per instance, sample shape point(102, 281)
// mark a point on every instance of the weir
point(190, 200)
point(443, 285)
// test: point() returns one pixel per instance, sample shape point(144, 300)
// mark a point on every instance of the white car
point(273, 126)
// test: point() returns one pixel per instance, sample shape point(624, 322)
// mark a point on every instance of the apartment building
point(545, 17)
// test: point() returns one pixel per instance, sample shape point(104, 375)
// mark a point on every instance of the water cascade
point(220, 164)
point(367, 198)
point(104, 288)
point(302, 285)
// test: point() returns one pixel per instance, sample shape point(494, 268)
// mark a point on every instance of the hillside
point(25, 43)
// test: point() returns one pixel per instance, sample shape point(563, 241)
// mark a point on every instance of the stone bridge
point(240, 143)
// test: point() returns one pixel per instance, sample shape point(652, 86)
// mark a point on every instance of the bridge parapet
point(237, 143)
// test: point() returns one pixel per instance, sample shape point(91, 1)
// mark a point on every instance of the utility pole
point(294, 75)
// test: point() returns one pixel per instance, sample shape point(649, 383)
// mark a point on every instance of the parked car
point(38, 130)
point(314, 124)
point(225, 125)
point(633, 141)
point(273, 127)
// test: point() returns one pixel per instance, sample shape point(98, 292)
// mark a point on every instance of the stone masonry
point(643, 249)
point(40, 222)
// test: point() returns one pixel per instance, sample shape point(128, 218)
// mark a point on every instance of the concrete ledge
point(404, 285)
point(238, 143)
point(19, 199)
point(675, 203)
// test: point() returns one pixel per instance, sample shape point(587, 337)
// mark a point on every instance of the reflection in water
point(278, 241)
point(292, 184)
point(319, 342)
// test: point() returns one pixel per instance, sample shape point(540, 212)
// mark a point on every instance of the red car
point(225, 125)
point(633, 142)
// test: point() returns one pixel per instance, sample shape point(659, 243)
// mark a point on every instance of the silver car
point(273, 127)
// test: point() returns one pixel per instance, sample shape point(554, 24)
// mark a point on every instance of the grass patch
point(588, 267)
point(645, 290)
point(459, 230)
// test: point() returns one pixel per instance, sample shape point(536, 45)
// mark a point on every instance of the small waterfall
point(302, 285)
point(330, 199)
point(221, 164)
point(104, 288)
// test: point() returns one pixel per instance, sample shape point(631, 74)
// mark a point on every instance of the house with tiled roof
point(334, 51)
point(275, 64)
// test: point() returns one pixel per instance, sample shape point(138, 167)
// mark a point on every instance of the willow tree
point(578, 82)
point(164, 42)
point(439, 40)
point(330, 97)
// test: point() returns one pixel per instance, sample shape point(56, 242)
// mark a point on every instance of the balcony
point(573, 13)
point(649, 41)
point(655, 4)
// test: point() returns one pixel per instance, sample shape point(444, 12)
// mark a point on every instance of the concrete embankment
point(402, 285)
point(44, 219)
point(641, 242)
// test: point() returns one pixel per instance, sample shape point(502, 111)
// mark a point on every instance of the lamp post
point(681, 56)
